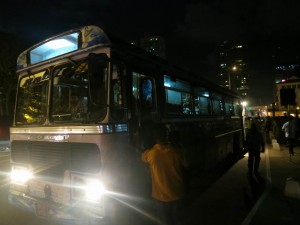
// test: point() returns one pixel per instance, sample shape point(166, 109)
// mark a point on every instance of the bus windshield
point(66, 87)
point(33, 98)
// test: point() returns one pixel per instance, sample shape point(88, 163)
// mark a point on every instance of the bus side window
point(186, 103)
point(228, 108)
point(116, 94)
point(147, 93)
point(202, 105)
point(217, 107)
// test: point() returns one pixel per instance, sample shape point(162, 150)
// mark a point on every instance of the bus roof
point(62, 44)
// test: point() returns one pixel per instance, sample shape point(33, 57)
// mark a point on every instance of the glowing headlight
point(20, 175)
point(94, 189)
point(88, 189)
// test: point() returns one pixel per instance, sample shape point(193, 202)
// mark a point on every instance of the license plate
point(42, 210)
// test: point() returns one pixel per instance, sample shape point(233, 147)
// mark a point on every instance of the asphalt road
point(8, 214)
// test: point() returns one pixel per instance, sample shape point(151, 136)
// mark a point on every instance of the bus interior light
point(60, 43)
point(167, 84)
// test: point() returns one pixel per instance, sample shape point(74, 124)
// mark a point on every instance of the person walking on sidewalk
point(166, 163)
point(255, 144)
point(290, 128)
point(286, 130)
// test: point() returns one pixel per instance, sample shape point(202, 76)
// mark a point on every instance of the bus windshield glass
point(69, 96)
point(33, 98)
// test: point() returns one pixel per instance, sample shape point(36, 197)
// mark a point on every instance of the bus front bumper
point(81, 213)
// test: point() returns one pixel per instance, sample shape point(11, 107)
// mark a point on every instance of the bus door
point(144, 107)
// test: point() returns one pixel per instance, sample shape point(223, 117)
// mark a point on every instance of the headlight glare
point(94, 189)
point(87, 189)
point(20, 175)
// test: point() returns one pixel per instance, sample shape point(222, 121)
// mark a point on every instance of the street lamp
point(229, 76)
point(244, 104)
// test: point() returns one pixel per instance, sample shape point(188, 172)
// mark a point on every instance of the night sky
point(191, 28)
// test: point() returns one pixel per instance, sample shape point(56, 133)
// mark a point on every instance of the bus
point(87, 105)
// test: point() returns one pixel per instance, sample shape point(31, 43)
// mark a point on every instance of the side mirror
point(96, 64)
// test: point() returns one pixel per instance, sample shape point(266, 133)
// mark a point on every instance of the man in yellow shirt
point(166, 163)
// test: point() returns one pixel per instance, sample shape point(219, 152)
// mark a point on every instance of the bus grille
point(49, 160)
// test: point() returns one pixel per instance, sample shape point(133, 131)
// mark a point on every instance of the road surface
point(8, 214)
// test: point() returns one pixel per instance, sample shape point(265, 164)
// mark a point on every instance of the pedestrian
point(255, 144)
point(292, 131)
point(166, 163)
point(277, 130)
point(285, 129)
point(268, 129)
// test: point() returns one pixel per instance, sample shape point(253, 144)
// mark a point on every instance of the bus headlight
point(87, 189)
point(94, 189)
point(20, 175)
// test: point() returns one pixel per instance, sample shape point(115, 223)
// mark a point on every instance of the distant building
point(232, 70)
point(287, 95)
point(286, 61)
point(153, 44)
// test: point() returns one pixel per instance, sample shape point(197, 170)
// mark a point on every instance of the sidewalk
point(234, 199)
point(275, 207)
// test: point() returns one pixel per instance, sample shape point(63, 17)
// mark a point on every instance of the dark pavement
point(235, 199)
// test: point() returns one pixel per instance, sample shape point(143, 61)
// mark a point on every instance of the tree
point(10, 48)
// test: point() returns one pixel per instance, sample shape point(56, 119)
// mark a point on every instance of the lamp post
point(244, 104)
point(229, 76)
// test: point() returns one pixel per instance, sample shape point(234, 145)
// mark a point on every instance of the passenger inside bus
point(77, 105)
point(147, 93)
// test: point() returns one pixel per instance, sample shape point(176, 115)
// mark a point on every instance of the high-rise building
point(232, 70)
point(287, 96)
point(153, 44)
point(286, 61)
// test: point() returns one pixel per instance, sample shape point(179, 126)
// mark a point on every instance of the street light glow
point(244, 103)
